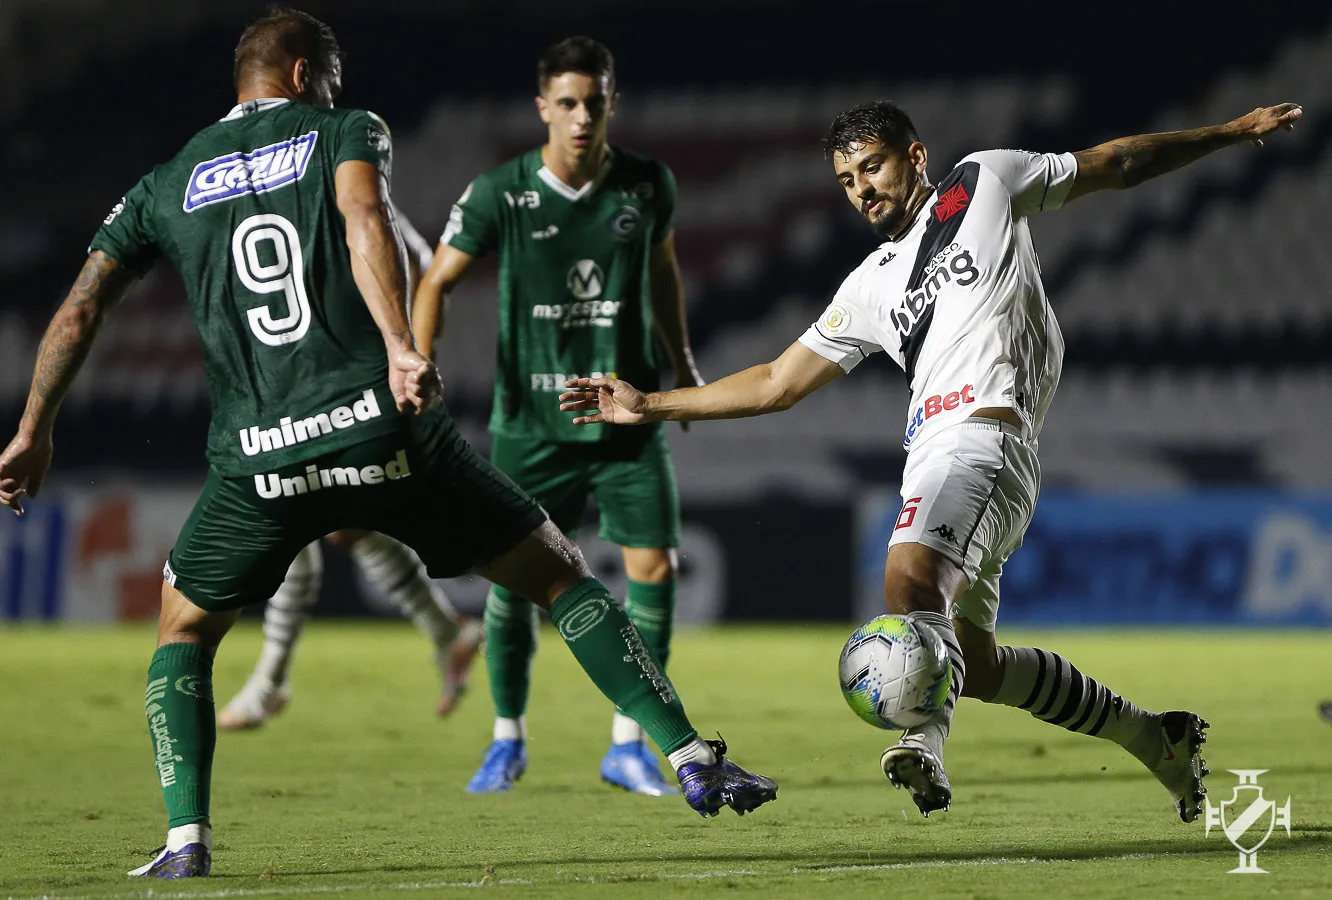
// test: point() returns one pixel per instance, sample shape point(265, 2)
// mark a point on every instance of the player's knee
point(652, 566)
point(182, 622)
point(907, 592)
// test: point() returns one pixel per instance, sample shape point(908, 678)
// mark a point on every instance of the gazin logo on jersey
point(585, 280)
point(257, 172)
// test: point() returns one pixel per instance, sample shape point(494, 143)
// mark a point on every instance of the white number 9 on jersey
point(285, 275)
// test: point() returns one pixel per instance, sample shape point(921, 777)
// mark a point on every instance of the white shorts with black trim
point(969, 492)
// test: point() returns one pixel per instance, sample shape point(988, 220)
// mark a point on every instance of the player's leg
point(546, 472)
point(968, 494)
point(268, 689)
point(232, 550)
point(547, 567)
point(397, 574)
point(1052, 689)
point(640, 511)
point(503, 535)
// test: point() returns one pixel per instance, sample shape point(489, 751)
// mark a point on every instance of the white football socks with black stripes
point(395, 571)
point(936, 729)
point(1053, 690)
point(287, 612)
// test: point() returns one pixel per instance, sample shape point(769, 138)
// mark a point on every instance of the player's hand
point(23, 465)
point(1264, 121)
point(414, 380)
point(608, 400)
point(689, 379)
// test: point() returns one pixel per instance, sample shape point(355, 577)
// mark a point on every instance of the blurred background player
point(278, 219)
point(954, 296)
point(585, 237)
point(389, 567)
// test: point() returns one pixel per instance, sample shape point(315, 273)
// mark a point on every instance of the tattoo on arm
point(1130, 161)
point(102, 283)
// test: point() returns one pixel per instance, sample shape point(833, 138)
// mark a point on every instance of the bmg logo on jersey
point(953, 263)
point(259, 171)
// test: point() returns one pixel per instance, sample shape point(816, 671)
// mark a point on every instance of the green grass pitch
point(358, 791)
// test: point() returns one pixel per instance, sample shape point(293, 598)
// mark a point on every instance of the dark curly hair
point(882, 120)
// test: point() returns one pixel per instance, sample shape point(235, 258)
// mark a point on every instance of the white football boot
point(912, 763)
point(1181, 768)
point(253, 704)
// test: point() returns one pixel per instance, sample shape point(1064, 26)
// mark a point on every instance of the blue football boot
point(191, 861)
point(633, 766)
point(505, 763)
point(707, 788)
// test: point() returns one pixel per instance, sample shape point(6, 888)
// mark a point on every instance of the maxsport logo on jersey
point(585, 281)
point(935, 405)
point(951, 264)
point(289, 432)
point(272, 485)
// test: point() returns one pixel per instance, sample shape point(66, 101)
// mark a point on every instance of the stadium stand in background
point(1206, 292)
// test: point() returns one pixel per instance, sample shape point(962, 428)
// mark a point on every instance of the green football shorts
point(630, 475)
point(422, 485)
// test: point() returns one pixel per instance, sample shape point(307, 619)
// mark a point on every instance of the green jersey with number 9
point(247, 213)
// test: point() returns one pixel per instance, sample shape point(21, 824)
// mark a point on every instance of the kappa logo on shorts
point(945, 532)
point(257, 172)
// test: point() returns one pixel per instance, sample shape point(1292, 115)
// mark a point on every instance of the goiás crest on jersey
point(625, 222)
point(585, 280)
point(259, 171)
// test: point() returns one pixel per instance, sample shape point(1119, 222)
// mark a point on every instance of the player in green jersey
point(325, 415)
point(585, 237)
point(389, 568)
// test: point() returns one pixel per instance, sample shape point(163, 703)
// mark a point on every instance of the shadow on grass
point(808, 860)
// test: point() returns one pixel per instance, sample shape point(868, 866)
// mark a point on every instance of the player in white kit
point(954, 296)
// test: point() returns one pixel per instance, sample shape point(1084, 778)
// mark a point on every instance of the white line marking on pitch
point(605, 879)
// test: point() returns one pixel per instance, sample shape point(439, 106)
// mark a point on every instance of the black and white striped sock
point(1053, 690)
point(943, 627)
point(287, 610)
point(397, 573)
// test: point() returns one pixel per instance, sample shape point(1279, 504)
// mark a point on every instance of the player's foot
point(708, 787)
point(1181, 767)
point(253, 704)
point(910, 763)
point(505, 763)
point(1325, 710)
point(191, 861)
point(633, 766)
point(455, 663)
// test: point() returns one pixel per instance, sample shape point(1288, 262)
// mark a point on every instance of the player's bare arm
point(669, 311)
point(430, 306)
point(418, 251)
point(771, 387)
point(380, 270)
point(1129, 161)
point(101, 285)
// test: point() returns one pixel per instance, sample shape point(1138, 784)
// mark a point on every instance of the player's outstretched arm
point(380, 270)
point(430, 305)
point(1129, 161)
point(101, 285)
point(771, 387)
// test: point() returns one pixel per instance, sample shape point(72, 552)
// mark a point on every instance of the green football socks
point(511, 642)
point(651, 607)
point(179, 704)
point(616, 658)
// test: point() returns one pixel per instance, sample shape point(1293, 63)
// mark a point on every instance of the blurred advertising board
point(1206, 557)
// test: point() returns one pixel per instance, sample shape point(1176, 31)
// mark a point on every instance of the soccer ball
point(893, 674)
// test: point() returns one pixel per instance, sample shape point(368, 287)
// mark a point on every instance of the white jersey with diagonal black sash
point(957, 300)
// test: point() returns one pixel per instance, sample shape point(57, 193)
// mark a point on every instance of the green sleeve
point(364, 136)
point(128, 235)
point(474, 223)
point(665, 204)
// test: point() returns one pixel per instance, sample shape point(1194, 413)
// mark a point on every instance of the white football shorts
point(969, 492)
